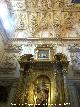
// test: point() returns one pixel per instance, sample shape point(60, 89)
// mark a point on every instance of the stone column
point(73, 95)
point(12, 94)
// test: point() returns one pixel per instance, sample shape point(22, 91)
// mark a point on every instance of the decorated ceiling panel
point(45, 18)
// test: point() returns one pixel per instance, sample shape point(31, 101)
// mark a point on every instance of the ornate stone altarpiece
point(39, 76)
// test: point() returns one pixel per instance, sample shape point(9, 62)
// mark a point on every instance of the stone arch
point(43, 76)
point(42, 90)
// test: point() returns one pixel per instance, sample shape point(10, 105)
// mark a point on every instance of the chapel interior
point(39, 53)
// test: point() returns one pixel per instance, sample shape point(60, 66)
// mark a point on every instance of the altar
point(42, 81)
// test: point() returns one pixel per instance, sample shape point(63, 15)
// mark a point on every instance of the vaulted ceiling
point(44, 18)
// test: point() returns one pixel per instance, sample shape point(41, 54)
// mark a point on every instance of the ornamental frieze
point(8, 63)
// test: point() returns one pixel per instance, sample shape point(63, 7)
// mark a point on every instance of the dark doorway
point(3, 94)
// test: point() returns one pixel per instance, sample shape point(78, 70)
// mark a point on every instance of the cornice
point(44, 39)
point(6, 81)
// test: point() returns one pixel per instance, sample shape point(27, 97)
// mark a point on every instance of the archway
point(42, 91)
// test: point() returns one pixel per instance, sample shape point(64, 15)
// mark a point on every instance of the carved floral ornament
point(8, 62)
point(35, 17)
point(41, 5)
point(52, 4)
point(38, 24)
point(74, 48)
point(13, 48)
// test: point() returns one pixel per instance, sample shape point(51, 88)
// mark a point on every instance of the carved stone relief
point(21, 20)
point(18, 5)
point(40, 4)
point(8, 63)
point(70, 24)
point(38, 16)
point(75, 57)
point(13, 48)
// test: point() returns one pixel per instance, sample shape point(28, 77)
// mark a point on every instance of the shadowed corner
point(75, 1)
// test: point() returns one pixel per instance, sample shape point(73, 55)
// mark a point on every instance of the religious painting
point(43, 54)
